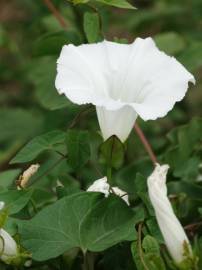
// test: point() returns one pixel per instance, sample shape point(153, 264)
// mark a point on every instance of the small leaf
point(117, 3)
point(42, 72)
point(191, 57)
point(112, 151)
point(51, 43)
point(78, 148)
point(170, 42)
point(91, 26)
point(47, 141)
point(15, 200)
point(150, 244)
point(7, 177)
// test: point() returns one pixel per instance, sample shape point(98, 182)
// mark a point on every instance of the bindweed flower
point(8, 246)
point(101, 185)
point(171, 229)
point(122, 81)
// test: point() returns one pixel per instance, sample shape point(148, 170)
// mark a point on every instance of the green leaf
point(47, 141)
point(78, 148)
point(110, 222)
point(18, 124)
point(170, 42)
point(51, 43)
point(191, 57)
point(42, 73)
point(154, 230)
point(150, 255)
point(135, 253)
point(150, 244)
point(117, 3)
point(7, 177)
point(91, 26)
point(84, 220)
point(112, 152)
point(15, 200)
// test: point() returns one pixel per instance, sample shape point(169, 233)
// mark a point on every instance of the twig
point(78, 116)
point(145, 142)
point(140, 246)
point(56, 13)
point(193, 226)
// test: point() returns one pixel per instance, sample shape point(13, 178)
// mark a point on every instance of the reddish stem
point(145, 142)
point(56, 13)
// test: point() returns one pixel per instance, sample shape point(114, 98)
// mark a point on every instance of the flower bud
point(101, 185)
point(8, 247)
point(27, 174)
point(173, 233)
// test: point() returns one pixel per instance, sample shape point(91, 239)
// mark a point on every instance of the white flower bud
point(27, 174)
point(101, 185)
point(8, 247)
point(171, 229)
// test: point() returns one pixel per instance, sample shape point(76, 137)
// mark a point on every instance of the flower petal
point(119, 122)
point(100, 185)
point(162, 81)
point(90, 73)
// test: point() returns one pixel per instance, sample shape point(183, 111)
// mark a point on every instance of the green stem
point(34, 206)
point(109, 175)
point(88, 263)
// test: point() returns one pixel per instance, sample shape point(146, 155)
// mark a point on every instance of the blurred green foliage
point(34, 119)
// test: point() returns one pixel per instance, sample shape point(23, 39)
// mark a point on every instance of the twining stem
point(56, 13)
point(146, 144)
point(88, 263)
point(140, 246)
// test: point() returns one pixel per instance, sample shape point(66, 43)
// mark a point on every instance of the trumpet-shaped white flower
point(101, 185)
point(122, 81)
point(8, 246)
point(171, 229)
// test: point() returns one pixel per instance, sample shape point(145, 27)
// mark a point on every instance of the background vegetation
point(31, 38)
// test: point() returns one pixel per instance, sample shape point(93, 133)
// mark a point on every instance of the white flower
point(101, 185)
point(171, 229)
point(8, 246)
point(122, 81)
